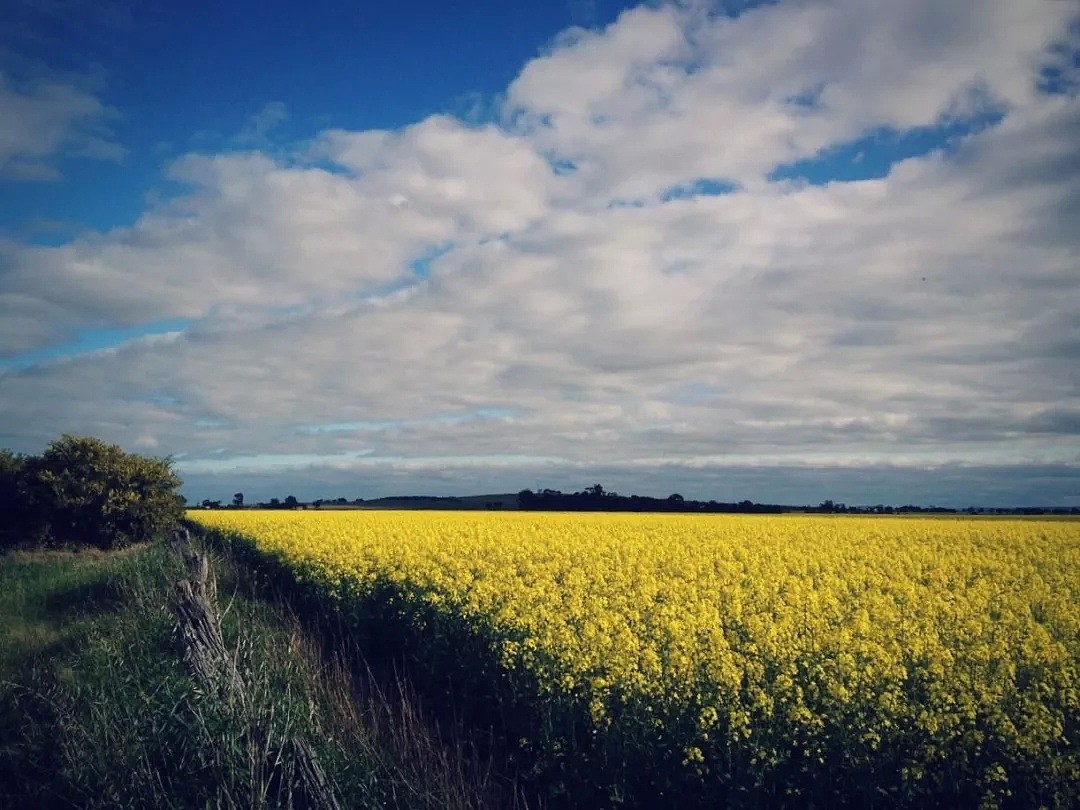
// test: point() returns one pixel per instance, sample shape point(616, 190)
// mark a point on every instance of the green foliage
point(84, 492)
point(12, 502)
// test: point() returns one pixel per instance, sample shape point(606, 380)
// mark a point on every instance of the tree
point(291, 502)
point(238, 500)
point(82, 491)
point(13, 505)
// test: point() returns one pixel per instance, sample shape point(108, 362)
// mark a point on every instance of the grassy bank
point(96, 709)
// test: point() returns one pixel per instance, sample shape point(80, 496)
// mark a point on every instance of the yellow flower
point(742, 634)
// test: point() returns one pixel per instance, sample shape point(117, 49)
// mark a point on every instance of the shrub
point(12, 499)
point(84, 492)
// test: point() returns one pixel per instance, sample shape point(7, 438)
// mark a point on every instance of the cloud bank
point(693, 251)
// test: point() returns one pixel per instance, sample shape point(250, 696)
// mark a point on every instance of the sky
point(781, 251)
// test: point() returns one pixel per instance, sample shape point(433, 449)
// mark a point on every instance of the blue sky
point(190, 77)
point(479, 246)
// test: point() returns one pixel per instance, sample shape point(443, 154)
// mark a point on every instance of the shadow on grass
point(96, 709)
point(90, 598)
point(416, 731)
point(68, 636)
point(430, 721)
point(51, 603)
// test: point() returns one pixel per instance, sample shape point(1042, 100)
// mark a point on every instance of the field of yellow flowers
point(747, 660)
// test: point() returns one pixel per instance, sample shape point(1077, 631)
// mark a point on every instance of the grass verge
point(96, 709)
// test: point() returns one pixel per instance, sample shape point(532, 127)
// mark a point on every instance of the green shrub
point(84, 492)
point(15, 522)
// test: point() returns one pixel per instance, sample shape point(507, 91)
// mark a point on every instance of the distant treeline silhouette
point(596, 499)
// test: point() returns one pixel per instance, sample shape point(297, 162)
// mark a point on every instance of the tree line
point(596, 499)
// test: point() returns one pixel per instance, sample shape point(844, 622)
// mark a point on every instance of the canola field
point(747, 660)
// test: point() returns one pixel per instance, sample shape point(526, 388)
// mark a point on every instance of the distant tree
point(675, 499)
point(275, 503)
point(238, 500)
point(291, 502)
point(317, 502)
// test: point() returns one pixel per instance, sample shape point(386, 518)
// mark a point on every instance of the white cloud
point(257, 128)
point(257, 235)
point(927, 317)
point(665, 96)
point(43, 120)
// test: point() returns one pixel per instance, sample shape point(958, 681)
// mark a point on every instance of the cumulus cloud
point(667, 95)
point(453, 305)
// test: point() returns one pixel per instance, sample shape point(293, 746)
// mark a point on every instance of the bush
point(84, 492)
point(14, 514)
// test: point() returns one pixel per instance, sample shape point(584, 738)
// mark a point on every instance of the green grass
point(86, 665)
point(96, 709)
